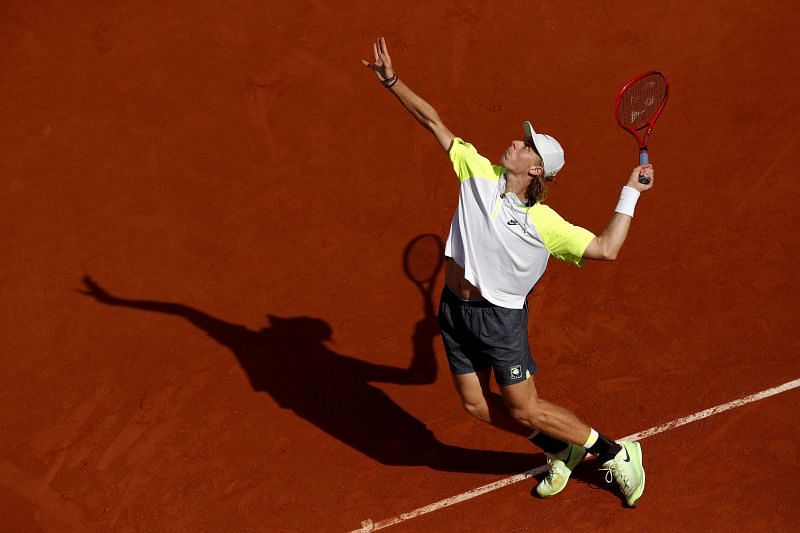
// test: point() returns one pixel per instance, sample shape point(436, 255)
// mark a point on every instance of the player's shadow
point(289, 360)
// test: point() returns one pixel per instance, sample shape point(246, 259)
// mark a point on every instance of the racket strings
point(641, 101)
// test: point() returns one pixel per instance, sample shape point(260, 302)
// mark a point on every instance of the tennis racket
point(638, 105)
point(423, 258)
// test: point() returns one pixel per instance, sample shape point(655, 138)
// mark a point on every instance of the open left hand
point(383, 63)
point(97, 292)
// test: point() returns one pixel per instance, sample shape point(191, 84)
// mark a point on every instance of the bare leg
point(528, 409)
point(483, 404)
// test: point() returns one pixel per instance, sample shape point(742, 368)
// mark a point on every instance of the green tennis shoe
point(560, 467)
point(627, 470)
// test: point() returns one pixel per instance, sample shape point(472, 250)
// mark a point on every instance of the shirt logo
point(512, 223)
point(516, 372)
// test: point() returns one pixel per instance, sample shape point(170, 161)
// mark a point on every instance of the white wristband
point(627, 201)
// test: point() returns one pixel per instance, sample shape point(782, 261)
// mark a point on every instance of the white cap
point(551, 152)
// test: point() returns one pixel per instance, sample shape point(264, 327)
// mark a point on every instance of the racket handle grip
point(643, 160)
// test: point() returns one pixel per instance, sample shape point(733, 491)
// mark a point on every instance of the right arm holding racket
point(638, 106)
point(419, 108)
point(606, 246)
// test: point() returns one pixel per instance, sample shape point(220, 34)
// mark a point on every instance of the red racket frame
point(642, 142)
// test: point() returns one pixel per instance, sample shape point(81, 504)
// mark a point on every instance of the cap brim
point(529, 131)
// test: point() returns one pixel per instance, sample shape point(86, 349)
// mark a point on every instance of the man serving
point(500, 240)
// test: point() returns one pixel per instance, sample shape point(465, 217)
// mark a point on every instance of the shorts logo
point(516, 372)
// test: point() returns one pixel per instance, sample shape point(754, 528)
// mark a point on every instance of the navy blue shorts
point(478, 334)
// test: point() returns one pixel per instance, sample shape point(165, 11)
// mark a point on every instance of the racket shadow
point(423, 258)
point(290, 360)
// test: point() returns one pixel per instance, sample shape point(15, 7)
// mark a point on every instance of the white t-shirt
point(502, 245)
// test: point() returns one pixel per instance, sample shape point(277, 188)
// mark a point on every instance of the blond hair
point(537, 190)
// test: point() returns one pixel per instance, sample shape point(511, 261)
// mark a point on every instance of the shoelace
point(555, 469)
point(610, 476)
point(551, 471)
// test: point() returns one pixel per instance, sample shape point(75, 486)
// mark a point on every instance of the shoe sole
point(636, 455)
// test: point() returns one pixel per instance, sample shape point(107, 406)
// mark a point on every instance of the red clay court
point(243, 190)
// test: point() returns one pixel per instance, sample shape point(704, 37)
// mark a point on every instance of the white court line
point(368, 525)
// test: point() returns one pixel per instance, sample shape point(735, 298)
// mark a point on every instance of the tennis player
point(501, 237)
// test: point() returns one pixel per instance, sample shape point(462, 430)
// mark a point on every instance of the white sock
point(593, 436)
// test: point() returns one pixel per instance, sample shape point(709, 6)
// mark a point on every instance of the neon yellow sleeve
point(468, 163)
point(563, 240)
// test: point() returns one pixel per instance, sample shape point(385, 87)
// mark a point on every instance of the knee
point(520, 414)
point(478, 409)
point(530, 414)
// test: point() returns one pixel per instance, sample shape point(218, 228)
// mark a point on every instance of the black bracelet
point(392, 83)
point(389, 81)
